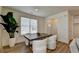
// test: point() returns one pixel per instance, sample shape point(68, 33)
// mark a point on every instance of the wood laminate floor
point(22, 48)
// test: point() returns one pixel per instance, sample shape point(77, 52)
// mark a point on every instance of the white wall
point(50, 29)
point(0, 27)
point(62, 26)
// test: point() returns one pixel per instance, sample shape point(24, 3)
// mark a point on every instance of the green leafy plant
point(9, 24)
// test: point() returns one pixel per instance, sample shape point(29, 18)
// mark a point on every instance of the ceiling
point(43, 11)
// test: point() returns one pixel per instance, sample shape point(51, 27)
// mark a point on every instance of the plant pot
point(12, 42)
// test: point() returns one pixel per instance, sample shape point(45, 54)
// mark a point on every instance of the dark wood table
point(36, 36)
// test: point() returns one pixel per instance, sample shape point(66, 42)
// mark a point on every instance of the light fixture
point(49, 25)
point(36, 9)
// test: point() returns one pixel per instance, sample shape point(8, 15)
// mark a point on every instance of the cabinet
point(76, 26)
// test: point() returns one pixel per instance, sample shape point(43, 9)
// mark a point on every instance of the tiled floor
point(22, 48)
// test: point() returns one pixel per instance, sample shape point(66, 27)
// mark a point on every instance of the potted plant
point(10, 26)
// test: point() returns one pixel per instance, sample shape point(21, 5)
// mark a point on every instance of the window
point(33, 26)
point(28, 25)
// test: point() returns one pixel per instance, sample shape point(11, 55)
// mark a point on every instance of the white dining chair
point(74, 45)
point(77, 42)
point(51, 42)
point(39, 46)
point(26, 42)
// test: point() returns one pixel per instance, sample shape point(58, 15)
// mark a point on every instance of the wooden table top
point(36, 36)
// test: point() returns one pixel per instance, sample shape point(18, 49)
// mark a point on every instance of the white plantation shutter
point(33, 26)
point(28, 25)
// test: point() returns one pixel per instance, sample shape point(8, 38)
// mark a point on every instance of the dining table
point(36, 36)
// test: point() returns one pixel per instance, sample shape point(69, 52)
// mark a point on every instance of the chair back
point(51, 42)
point(53, 37)
point(39, 46)
point(73, 47)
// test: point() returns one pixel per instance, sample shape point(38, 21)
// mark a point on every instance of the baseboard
point(15, 44)
point(63, 42)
